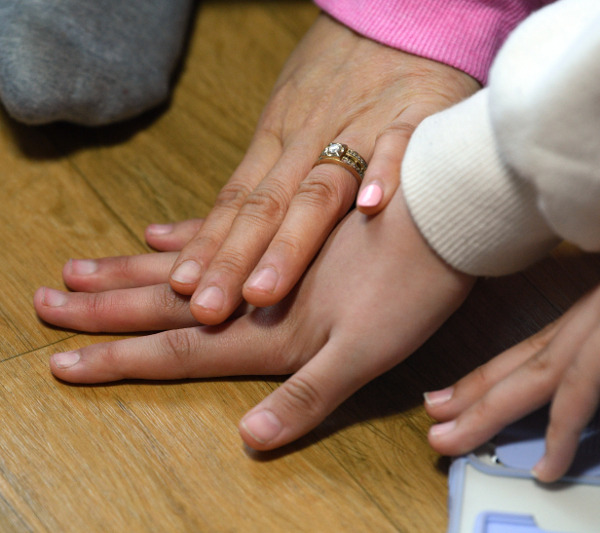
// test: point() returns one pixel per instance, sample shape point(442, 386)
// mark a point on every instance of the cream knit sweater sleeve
point(495, 182)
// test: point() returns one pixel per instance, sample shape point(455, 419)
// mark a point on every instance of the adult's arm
point(465, 34)
point(380, 269)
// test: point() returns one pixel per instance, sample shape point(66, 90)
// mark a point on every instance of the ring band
point(340, 154)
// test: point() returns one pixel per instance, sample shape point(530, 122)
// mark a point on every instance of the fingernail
point(187, 272)
point(211, 298)
point(442, 429)
point(66, 359)
point(53, 298)
point(438, 397)
point(265, 280)
point(160, 229)
point(263, 426)
point(539, 467)
point(370, 196)
point(83, 267)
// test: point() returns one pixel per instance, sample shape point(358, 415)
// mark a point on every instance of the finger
point(303, 401)
point(109, 273)
point(149, 308)
point(448, 403)
point(172, 237)
point(383, 173)
point(526, 389)
point(241, 347)
point(219, 291)
point(574, 405)
point(200, 250)
point(322, 200)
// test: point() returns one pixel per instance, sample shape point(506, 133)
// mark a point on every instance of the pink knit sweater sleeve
point(465, 34)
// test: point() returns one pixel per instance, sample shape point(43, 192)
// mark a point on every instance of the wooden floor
point(167, 456)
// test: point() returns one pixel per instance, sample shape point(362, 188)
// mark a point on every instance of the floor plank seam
point(362, 488)
point(38, 348)
point(542, 294)
point(102, 200)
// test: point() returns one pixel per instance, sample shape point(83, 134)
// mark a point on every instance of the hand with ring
point(337, 330)
point(278, 208)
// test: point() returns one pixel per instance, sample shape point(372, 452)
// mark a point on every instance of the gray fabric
point(88, 61)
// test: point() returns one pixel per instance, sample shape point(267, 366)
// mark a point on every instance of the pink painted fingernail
point(263, 426)
point(442, 429)
point(54, 298)
point(439, 396)
point(211, 298)
point(66, 359)
point(160, 229)
point(265, 280)
point(83, 267)
point(370, 196)
point(187, 272)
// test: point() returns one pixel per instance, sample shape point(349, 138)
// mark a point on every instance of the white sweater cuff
point(474, 212)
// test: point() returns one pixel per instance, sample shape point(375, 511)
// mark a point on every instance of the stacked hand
point(373, 295)
point(276, 211)
point(336, 331)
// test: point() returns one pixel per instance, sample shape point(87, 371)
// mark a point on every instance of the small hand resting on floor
point(560, 364)
point(276, 211)
point(373, 295)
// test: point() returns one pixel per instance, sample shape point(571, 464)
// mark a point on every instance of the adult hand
point(560, 364)
point(276, 211)
point(373, 295)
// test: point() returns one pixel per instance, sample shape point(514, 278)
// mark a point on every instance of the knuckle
point(290, 245)
point(479, 418)
point(206, 243)
point(231, 263)
point(269, 129)
point(539, 364)
point(301, 395)
point(398, 128)
point(321, 107)
point(100, 306)
point(233, 195)
point(482, 409)
point(266, 204)
point(125, 266)
point(322, 190)
point(112, 358)
point(166, 299)
point(178, 345)
point(542, 338)
point(482, 377)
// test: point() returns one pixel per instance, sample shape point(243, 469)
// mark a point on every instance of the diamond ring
point(340, 154)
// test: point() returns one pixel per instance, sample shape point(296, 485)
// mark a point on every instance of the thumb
point(302, 402)
point(383, 173)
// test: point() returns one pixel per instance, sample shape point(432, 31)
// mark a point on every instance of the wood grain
point(167, 456)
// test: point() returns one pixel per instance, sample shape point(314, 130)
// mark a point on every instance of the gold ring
point(340, 154)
